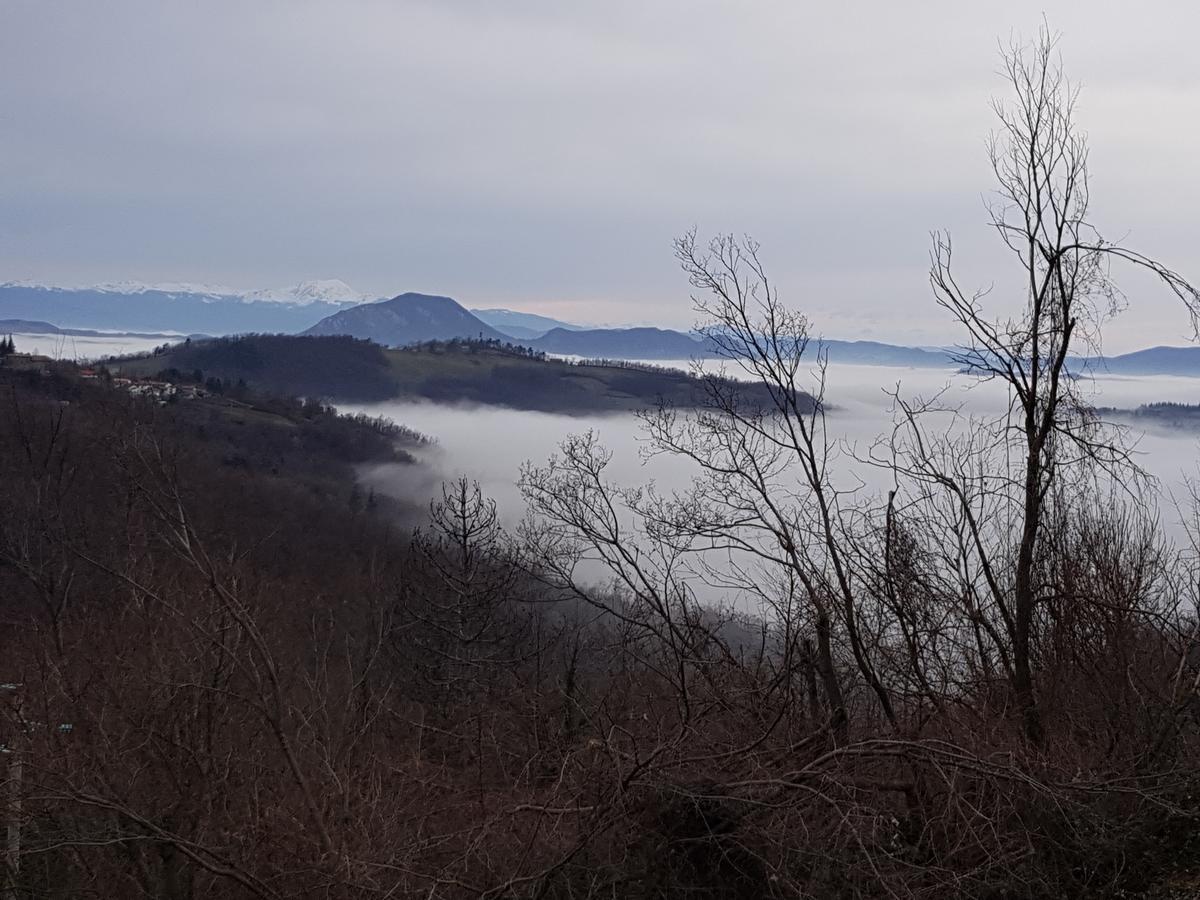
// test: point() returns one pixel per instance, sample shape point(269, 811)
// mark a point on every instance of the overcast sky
point(542, 155)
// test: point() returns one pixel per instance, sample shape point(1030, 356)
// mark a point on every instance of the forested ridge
point(338, 368)
point(485, 372)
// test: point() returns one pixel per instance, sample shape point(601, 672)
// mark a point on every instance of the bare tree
point(1010, 567)
point(460, 598)
point(1041, 213)
point(982, 682)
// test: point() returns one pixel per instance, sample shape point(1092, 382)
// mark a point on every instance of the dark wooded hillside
point(342, 368)
point(458, 371)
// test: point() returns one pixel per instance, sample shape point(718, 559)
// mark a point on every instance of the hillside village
point(150, 388)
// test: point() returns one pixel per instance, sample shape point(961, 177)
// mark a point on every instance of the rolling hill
point(1151, 361)
point(407, 319)
point(335, 367)
point(620, 343)
point(346, 369)
point(522, 325)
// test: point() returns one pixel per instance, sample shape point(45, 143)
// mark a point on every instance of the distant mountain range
point(135, 307)
point(1151, 361)
point(411, 318)
point(620, 343)
point(26, 326)
point(522, 325)
point(333, 307)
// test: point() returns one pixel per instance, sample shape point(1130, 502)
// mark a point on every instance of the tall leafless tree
point(1040, 211)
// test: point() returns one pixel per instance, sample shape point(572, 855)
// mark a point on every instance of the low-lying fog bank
point(490, 444)
point(86, 348)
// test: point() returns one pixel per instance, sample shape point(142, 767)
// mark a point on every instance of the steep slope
point(407, 319)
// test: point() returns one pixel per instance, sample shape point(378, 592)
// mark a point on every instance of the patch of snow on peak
point(32, 285)
point(328, 290)
point(128, 287)
point(166, 287)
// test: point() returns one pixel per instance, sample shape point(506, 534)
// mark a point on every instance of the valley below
point(491, 407)
point(491, 444)
point(755, 455)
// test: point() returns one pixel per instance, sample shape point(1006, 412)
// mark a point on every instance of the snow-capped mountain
point(329, 290)
point(177, 306)
point(126, 287)
point(166, 287)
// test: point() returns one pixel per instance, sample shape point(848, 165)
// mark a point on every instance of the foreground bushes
point(223, 684)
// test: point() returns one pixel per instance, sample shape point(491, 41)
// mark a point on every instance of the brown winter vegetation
point(240, 679)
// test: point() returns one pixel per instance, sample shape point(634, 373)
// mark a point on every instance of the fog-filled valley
point(324, 593)
point(430, 630)
point(87, 347)
point(491, 444)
